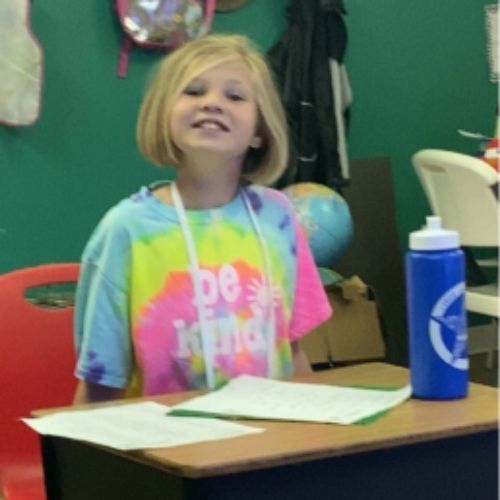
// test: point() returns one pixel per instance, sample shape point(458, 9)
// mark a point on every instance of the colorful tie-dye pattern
point(136, 317)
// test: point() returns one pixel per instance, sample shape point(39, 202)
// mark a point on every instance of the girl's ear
point(256, 142)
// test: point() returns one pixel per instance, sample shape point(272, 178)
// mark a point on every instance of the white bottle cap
point(433, 237)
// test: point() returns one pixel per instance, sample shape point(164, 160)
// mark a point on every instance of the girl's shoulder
point(273, 209)
point(136, 207)
point(268, 197)
point(128, 219)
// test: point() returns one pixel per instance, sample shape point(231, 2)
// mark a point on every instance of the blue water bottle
point(435, 292)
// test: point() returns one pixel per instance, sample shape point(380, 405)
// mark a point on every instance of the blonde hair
point(263, 165)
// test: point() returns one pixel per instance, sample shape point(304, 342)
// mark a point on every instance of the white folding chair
point(463, 191)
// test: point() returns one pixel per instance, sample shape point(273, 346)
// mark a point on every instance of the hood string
point(207, 340)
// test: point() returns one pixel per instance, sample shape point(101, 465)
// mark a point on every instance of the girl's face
point(216, 113)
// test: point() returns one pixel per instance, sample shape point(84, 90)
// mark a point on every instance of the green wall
point(418, 74)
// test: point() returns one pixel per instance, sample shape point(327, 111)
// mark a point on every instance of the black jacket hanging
point(307, 65)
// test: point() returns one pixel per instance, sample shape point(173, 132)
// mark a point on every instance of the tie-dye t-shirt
point(137, 324)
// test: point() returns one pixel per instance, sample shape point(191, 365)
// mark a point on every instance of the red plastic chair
point(36, 371)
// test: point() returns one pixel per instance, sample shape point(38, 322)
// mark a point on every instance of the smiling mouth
point(210, 125)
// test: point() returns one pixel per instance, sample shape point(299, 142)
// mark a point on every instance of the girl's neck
point(205, 187)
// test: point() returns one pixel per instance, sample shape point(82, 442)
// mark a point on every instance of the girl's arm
point(102, 340)
point(87, 392)
point(301, 364)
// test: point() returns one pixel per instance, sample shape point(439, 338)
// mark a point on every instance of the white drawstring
point(206, 340)
point(271, 331)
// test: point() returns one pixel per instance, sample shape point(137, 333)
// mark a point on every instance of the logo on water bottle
point(451, 326)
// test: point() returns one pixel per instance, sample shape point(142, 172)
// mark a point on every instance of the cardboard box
point(353, 333)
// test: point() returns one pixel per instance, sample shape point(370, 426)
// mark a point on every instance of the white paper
point(257, 397)
point(136, 426)
point(492, 40)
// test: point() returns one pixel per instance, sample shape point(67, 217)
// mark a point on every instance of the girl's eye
point(234, 96)
point(193, 90)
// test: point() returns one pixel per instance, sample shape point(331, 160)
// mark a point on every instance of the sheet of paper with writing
point(255, 397)
point(135, 426)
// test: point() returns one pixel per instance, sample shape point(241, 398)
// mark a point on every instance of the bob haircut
point(263, 165)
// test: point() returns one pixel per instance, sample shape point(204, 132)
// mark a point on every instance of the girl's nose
point(211, 107)
point(211, 103)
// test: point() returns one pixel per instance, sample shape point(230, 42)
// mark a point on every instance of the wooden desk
point(419, 450)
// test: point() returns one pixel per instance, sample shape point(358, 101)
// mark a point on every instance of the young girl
point(187, 284)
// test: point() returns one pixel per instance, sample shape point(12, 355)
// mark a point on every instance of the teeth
point(210, 125)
